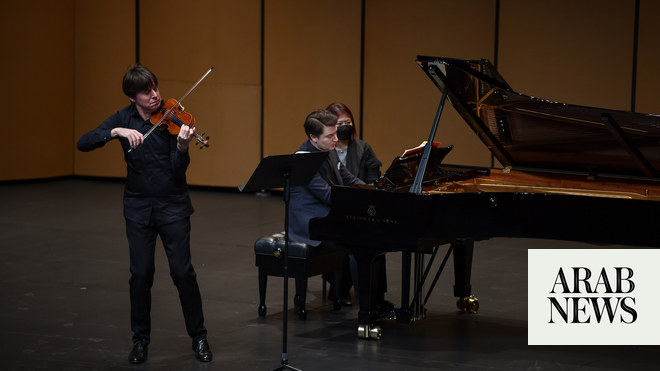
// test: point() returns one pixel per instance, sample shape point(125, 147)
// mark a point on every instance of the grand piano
point(568, 172)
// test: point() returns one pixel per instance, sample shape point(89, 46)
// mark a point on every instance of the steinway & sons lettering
point(371, 219)
point(595, 298)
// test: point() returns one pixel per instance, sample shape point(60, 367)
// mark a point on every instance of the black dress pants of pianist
point(176, 241)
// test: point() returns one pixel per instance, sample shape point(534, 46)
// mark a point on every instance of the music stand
point(285, 171)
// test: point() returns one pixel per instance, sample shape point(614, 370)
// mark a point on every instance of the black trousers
point(176, 241)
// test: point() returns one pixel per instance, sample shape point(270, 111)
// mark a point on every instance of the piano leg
point(367, 314)
point(404, 314)
point(463, 251)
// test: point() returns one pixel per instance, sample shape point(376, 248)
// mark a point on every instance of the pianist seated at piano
point(313, 200)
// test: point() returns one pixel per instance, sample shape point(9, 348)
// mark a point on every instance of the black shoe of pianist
point(138, 354)
point(385, 310)
point(343, 301)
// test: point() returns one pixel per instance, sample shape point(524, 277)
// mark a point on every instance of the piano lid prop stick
point(416, 187)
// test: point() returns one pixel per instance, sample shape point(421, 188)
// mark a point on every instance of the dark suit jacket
point(313, 200)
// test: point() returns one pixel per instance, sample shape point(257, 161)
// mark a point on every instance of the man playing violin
point(156, 203)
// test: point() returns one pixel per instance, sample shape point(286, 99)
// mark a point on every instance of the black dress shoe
point(138, 354)
point(385, 310)
point(202, 350)
point(344, 300)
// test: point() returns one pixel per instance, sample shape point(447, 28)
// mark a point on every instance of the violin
point(172, 116)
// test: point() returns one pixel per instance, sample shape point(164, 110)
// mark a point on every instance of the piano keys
point(568, 173)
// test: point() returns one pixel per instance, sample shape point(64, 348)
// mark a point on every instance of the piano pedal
point(369, 332)
point(409, 316)
point(468, 304)
point(421, 315)
point(404, 315)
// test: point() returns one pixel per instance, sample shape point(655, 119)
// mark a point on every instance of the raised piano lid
point(526, 133)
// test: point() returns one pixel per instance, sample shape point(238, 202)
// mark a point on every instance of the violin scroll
point(202, 140)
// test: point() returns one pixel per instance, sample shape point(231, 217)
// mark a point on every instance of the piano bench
point(304, 261)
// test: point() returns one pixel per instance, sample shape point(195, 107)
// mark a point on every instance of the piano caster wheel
point(302, 314)
point(296, 300)
point(369, 332)
point(262, 311)
point(468, 304)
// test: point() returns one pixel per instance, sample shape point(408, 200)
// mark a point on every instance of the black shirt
point(156, 190)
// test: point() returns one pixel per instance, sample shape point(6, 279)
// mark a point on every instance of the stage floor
point(65, 304)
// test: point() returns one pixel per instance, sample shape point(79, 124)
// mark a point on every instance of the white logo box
point(634, 318)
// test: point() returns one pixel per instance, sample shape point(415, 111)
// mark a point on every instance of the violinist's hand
point(134, 137)
point(184, 138)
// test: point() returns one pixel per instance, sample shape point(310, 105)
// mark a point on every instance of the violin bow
point(166, 114)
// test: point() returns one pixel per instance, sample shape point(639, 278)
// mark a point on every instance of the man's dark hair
point(138, 79)
point(316, 120)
